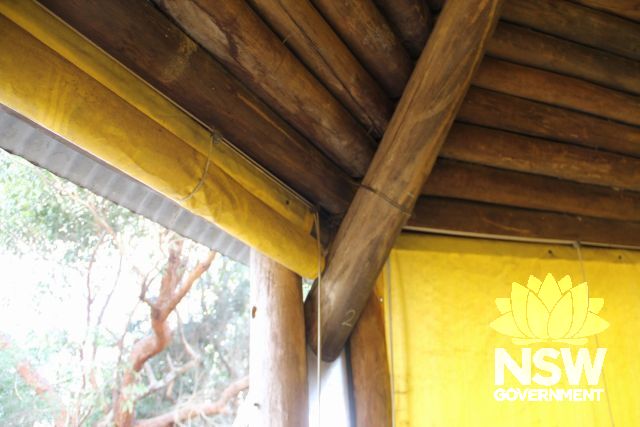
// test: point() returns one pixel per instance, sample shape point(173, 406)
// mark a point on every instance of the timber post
point(278, 390)
point(370, 367)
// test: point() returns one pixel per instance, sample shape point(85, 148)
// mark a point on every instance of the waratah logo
point(552, 310)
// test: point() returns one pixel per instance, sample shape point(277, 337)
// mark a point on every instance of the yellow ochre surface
point(444, 296)
point(54, 77)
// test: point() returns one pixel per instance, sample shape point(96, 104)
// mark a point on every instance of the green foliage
point(19, 403)
point(49, 218)
point(44, 213)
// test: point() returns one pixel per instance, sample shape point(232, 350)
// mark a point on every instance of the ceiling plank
point(492, 109)
point(528, 47)
point(460, 216)
point(507, 150)
point(236, 36)
point(366, 31)
point(144, 40)
point(479, 183)
point(556, 89)
point(399, 169)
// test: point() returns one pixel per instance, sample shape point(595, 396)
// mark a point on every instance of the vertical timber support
point(370, 367)
point(277, 362)
point(400, 167)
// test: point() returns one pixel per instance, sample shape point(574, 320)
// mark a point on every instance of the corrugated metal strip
point(38, 146)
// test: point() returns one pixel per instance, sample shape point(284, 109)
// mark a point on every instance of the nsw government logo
point(563, 317)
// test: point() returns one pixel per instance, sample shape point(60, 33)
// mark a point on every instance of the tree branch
point(168, 298)
point(193, 410)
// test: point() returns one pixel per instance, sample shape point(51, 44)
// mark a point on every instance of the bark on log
point(302, 28)
point(629, 9)
point(577, 23)
point(367, 33)
point(234, 34)
point(529, 47)
point(399, 169)
point(412, 21)
point(143, 39)
point(506, 150)
point(496, 110)
point(490, 185)
point(495, 220)
point(558, 90)
point(370, 367)
point(278, 359)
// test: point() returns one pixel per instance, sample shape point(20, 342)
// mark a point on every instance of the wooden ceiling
point(545, 145)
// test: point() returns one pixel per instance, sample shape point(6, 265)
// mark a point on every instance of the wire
point(214, 137)
point(392, 368)
point(319, 317)
point(578, 247)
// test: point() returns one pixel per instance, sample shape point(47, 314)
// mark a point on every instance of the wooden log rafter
point(593, 23)
point(492, 109)
point(202, 87)
point(484, 219)
point(577, 23)
point(626, 8)
point(304, 30)
point(529, 47)
point(237, 37)
point(399, 169)
point(512, 151)
point(486, 184)
point(366, 31)
point(557, 90)
point(411, 19)
point(147, 42)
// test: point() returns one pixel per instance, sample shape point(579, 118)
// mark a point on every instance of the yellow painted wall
point(441, 292)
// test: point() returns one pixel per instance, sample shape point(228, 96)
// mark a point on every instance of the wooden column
point(370, 367)
point(277, 363)
point(399, 169)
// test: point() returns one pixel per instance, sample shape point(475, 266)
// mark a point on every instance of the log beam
point(367, 33)
point(277, 353)
point(370, 367)
point(558, 90)
point(629, 9)
point(483, 219)
point(399, 169)
point(139, 36)
point(486, 184)
point(302, 28)
point(492, 109)
point(412, 21)
point(506, 150)
point(528, 47)
point(238, 38)
point(577, 23)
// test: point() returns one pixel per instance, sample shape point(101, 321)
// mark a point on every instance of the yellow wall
point(442, 300)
